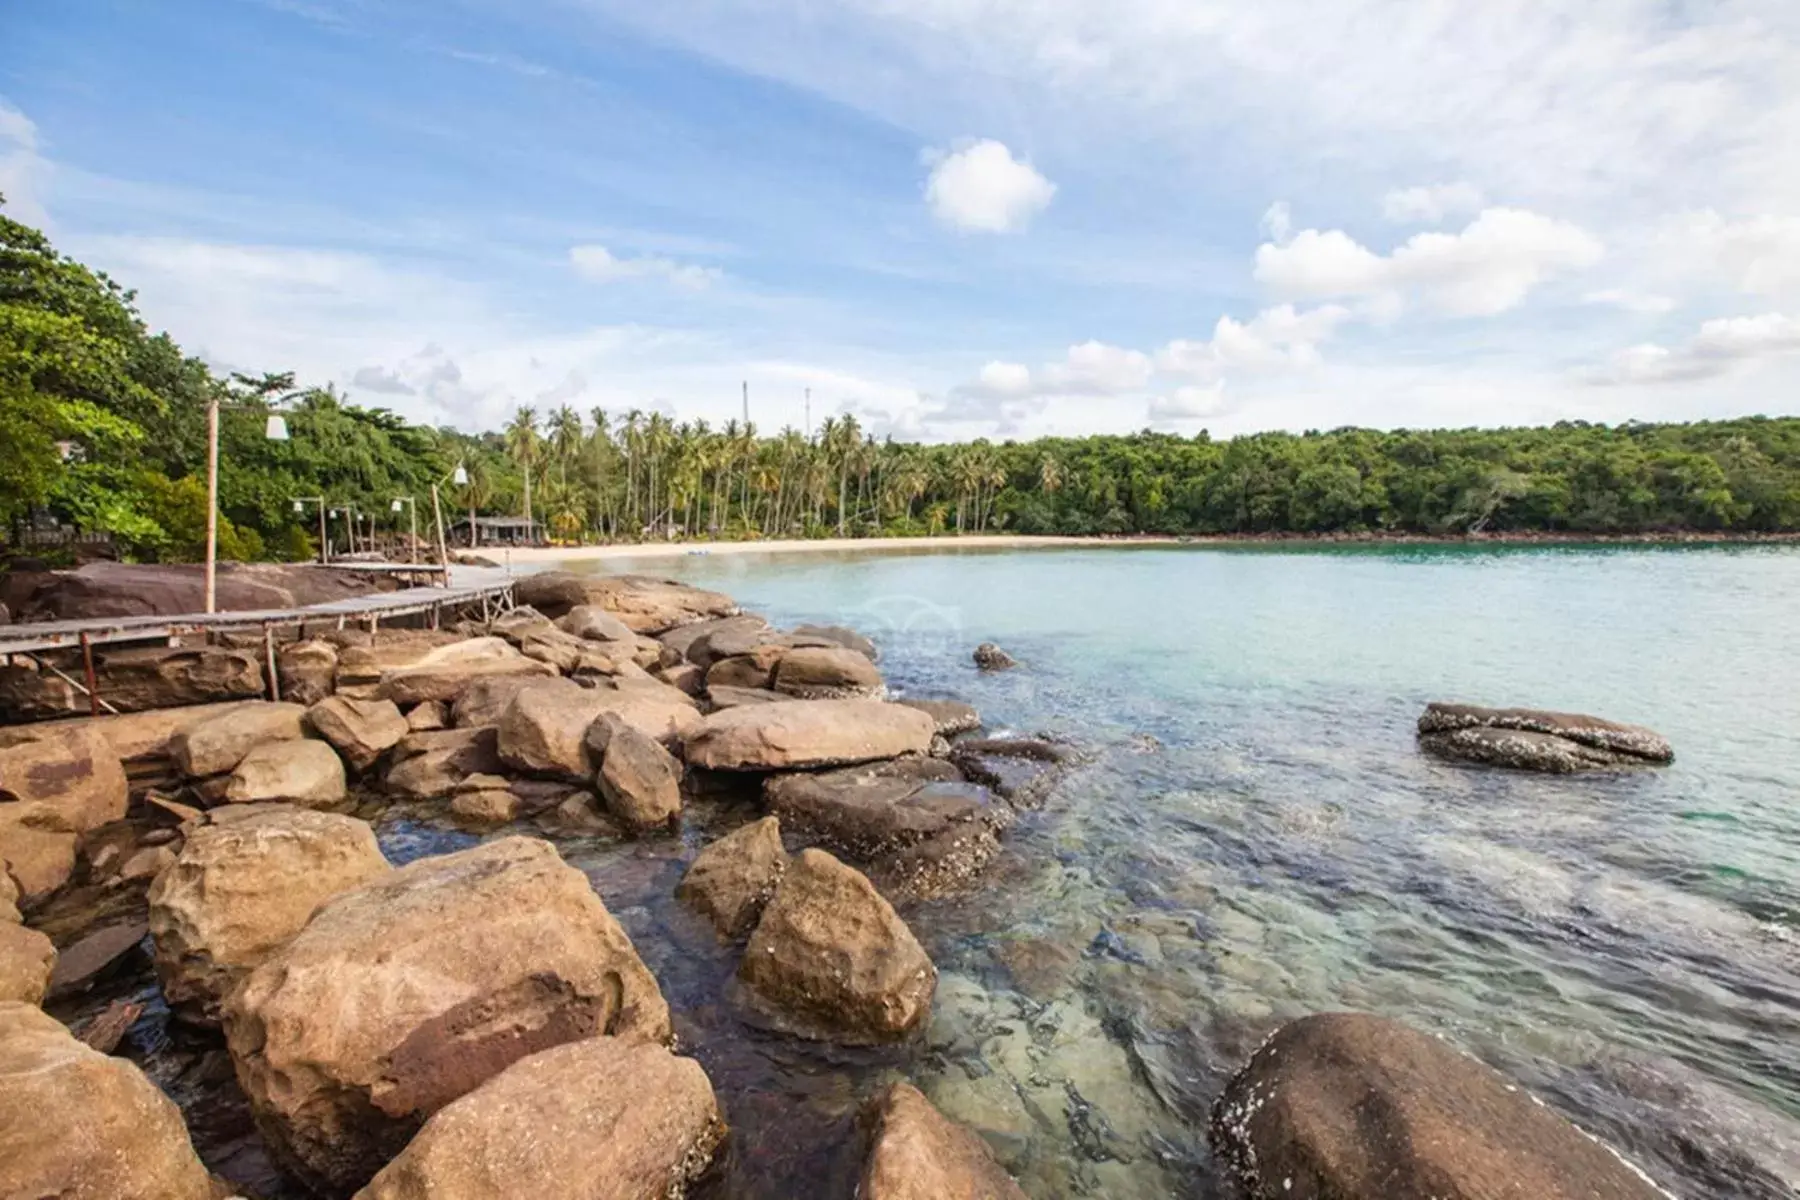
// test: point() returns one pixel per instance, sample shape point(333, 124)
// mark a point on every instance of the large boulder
point(485, 700)
point(410, 992)
point(807, 733)
point(544, 730)
point(446, 672)
point(952, 716)
point(240, 889)
point(216, 744)
point(754, 668)
point(599, 1119)
point(639, 780)
point(363, 658)
point(644, 604)
point(134, 679)
point(307, 670)
point(27, 959)
point(596, 625)
point(53, 788)
point(917, 1153)
point(726, 696)
point(818, 672)
point(839, 635)
point(430, 765)
point(730, 881)
point(706, 642)
point(653, 708)
point(304, 772)
point(1360, 1107)
point(362, 730)
point(831, 959)
point(536, 636)
point(80, 1124)
point(1535, 740)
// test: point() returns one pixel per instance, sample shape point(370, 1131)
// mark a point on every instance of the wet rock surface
point(916, 1153)
point(639, 780)
point(1537, 740)
point(730, 881)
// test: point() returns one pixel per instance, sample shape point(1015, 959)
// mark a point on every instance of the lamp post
point(412, 509)
point(300, 503)
point(460, 477)
point(275, 429)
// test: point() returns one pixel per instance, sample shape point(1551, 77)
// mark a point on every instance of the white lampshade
point(334, 514)
point(299, 507)
point(461, 477)
point(276, 428)
point(396, 506)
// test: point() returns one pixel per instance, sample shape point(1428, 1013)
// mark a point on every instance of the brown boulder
point(596, 625)
point(599, 1119)
point(9, 897)
point(429, 765)
point(807, 733)
point(990, 657)
point(239, 890)
point(216, 744)
point(433, 714)
point(849, 639)
point(1533, 740)
point(307, 670)
point(952, 716)
point(544, 730)
point(447, 671)
point(80, 1124)
point(27, 959)
point(644, 604)
point(652, 708)
point(830, 959)
point(726, 696)
point(683, 677)
point(305, 772)
point(755, 668)
point(54, 788)
point(364, 658)
point(134, 679)
point(1359, 1107)
point(706, 642)
point(917, 1153)
point(731, 880)
point(112, 589)
point(410, 992)
point(360, 729)
point(486, 699)
point(639, 780)
point(487, 805)
point(817, 672)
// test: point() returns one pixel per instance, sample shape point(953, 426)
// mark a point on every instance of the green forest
point(103, 430)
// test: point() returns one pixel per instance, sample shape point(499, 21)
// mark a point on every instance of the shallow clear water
point(1258, 838)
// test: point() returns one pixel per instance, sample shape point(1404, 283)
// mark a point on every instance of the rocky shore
point(479, 1023)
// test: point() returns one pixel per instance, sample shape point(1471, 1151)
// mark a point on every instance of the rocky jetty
point(1534, 740)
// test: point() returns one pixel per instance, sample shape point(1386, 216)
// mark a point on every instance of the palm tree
point(477, 493)
point(1050, 473)
point(565, 438)
point(523, 443)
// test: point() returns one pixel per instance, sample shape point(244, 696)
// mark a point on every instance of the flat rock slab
point(1611, 737)
point(85, 963)
point(807, 733)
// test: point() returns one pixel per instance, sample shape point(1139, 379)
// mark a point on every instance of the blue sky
point(951, 217)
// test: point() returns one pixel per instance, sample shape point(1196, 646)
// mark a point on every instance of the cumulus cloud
point(1431, 203)
point(381, 379)
point(1275, 339)
point(1097, 369)
point(1758, 255)
point(1722, 346)
point(1001, 380)
point(1191, 403)
point(1277, 222)
point(1488, 268)
point(1645, 303)
point(981, 188)
point(597, 263)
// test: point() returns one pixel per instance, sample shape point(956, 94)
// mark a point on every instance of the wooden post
point(437, 514)
point(212, 503)
point(87, 665)
point(269, 661)
point(324, 537)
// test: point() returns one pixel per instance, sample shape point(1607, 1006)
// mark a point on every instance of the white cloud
point(1001, 380)
point(1431, 203)
point(1757, 255)
point(1644, 303)
point(981, 187)
point(1488, 268)
point(1275, 339)
point(1187, 404)
point(1722, 346)
point(1095, 368)
point(1278, 222)
point(24, 172)
point(597, 263)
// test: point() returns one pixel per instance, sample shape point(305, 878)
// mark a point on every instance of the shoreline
point(537, 555)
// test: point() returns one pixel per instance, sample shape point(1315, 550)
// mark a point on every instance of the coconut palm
point(524, 444)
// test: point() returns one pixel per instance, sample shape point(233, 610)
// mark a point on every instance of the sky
point(952, 218)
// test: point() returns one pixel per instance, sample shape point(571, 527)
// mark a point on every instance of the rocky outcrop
point(917, 1153)
point(596, 625)
point(706, 642)
point(410, 992)
point(27, 959)
point(77, 1123)
point(429, 765)
point(654, 709)
point(433, 714)
point(817, 672)
point(537, 637)
point(307, 670)
point(644, 604)
point(952, 716)
point(639, 780)
point(730, 881)
point(363, 658)
point(1344, 1104)
point(54, 788)
point(217, 744)
point(830, 959)
point(990, 657)
point(807, 733)
point(849, 639)
point(304, 772)
point(1533, 740)
point(544, 730)
point(598, 1119)
point(110, 589)
point(485, 700)
point(239, 890)
point(362, 730)
point(135, 679)
point(755, 668)
point(446, 672)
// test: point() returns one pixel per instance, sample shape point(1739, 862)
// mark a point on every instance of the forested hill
point(102, 427)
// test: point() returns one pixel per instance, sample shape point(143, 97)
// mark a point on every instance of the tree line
point(103, 428)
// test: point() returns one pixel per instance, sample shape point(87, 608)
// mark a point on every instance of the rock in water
point(1534, 740)
point(731, 880)
point(816, 672)
point(807, 733)
point(54, 788)
point(413, 990)
point(76, 1123)
point(917, 1153)
point(599, 1119)
point(304, 772)
point(27, 959)
point(1362, 1108)
point(360, 729)
point(990, 657)
point(952, 716)
point(239, 890)
point(832, 960)
point(639, 780)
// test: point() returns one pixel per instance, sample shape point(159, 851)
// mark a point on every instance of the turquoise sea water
point(1256, 837)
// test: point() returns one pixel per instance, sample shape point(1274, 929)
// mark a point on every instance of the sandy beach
point(534, 555)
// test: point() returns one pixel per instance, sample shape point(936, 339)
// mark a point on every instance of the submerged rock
point(1020, 769)
point(409, 992)
point(1540, 741)
point(832, 960)
point(1355, 1106)
point(807, 733)
point(730, 881)
point(917, 1153)
point(54, 787)
point(77, 1123)
point(990, 657)
point(240, 889)
point(598, 1119)
point(304, 772)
